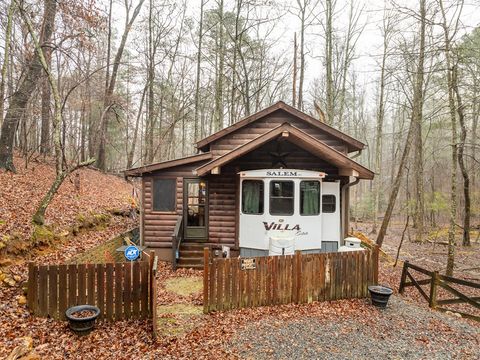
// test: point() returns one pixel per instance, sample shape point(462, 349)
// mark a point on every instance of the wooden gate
point(119, 290)
point(272, 280)
point(445, 283)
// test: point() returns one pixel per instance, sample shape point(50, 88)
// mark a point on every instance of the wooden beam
point(347, 172)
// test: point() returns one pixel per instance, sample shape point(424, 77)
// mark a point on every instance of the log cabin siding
point(158, 226)
point(243, 135)
point(222, 209)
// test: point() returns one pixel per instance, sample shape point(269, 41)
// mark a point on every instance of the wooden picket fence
point(298, 278)
point(119, 290)
point(449, 285)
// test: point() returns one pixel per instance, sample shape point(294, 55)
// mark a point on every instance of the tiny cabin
point(272, 183)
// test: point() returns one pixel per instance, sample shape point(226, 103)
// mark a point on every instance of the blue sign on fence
point(132, 253)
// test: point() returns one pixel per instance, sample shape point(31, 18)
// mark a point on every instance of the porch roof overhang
point(346, 166)
point(139, 171)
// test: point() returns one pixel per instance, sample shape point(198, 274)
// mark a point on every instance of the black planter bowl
point(380, 295)
point(82, 326)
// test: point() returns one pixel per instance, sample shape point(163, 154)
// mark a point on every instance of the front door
point(196, 209)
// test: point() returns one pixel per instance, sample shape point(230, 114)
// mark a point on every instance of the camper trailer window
point(252, 197)
point(281, 197)
point(164, 194)
point(309, 198)
point(328, 203)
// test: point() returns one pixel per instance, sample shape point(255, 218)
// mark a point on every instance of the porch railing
point(177, 238)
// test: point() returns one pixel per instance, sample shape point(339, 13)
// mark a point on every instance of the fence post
point(404, 277)
point(152, 279)
point(206, 261)
point(298, 275)
point(433, 290)
point(376, 251)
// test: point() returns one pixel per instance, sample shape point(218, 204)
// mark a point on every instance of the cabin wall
point(222, 209)
point(158, 226)
point(261, 126)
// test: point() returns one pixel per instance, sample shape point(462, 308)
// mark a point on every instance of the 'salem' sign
point(248, 264)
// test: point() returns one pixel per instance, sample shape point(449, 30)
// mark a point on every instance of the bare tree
point(6, 55)
point(19, 99)
point(387, 33)
point(416, 110)
point(108, 101)
point(450, 69)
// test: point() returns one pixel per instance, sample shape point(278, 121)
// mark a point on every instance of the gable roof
point(316, 147)
point(352, 144)
point(168, 164)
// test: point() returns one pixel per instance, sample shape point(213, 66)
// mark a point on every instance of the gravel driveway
point(402, 331)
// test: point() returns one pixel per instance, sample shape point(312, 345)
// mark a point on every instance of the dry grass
point(184, 286)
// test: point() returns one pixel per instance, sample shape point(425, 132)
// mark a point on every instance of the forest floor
point(432, 253)
point(407, 329)
point(87, 200)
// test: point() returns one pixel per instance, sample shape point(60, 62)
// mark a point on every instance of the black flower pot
point(82, 325)
point(380, 295)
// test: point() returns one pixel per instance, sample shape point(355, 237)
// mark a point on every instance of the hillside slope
point(96, 196)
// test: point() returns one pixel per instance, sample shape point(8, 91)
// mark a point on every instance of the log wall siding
point(222, 209)
point(158, 226)
point(251, 131)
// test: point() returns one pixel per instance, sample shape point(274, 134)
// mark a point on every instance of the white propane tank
point(351, 244)
point(281, 243)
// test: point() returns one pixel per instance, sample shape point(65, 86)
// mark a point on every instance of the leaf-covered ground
point(21, 193)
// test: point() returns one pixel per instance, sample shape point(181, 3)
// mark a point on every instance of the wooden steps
point(191, 255)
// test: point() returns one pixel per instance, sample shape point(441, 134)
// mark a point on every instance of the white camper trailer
point(283, 210)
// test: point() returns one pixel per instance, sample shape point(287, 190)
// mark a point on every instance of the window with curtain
point(329, 204)
point(309, 197)
point(252, 197)
point(281, 197)
point(164, 193)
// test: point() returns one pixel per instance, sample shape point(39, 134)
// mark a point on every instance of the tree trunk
point(379, 129)
point(417, 105)
point(197, 80)
point(46, 94)
point(329, 60)
point(461, 162)
point(20, 97)
point(302, 56)
point(417, 118)
point(454, 158)
point(218, 125)
point(294, 85)
point(131, 153)
point(6, 54)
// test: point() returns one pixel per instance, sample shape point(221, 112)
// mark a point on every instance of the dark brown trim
point(142, 214)
point(352, 144)
point(237, 210)
point(302, 139)
point(139, 171)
